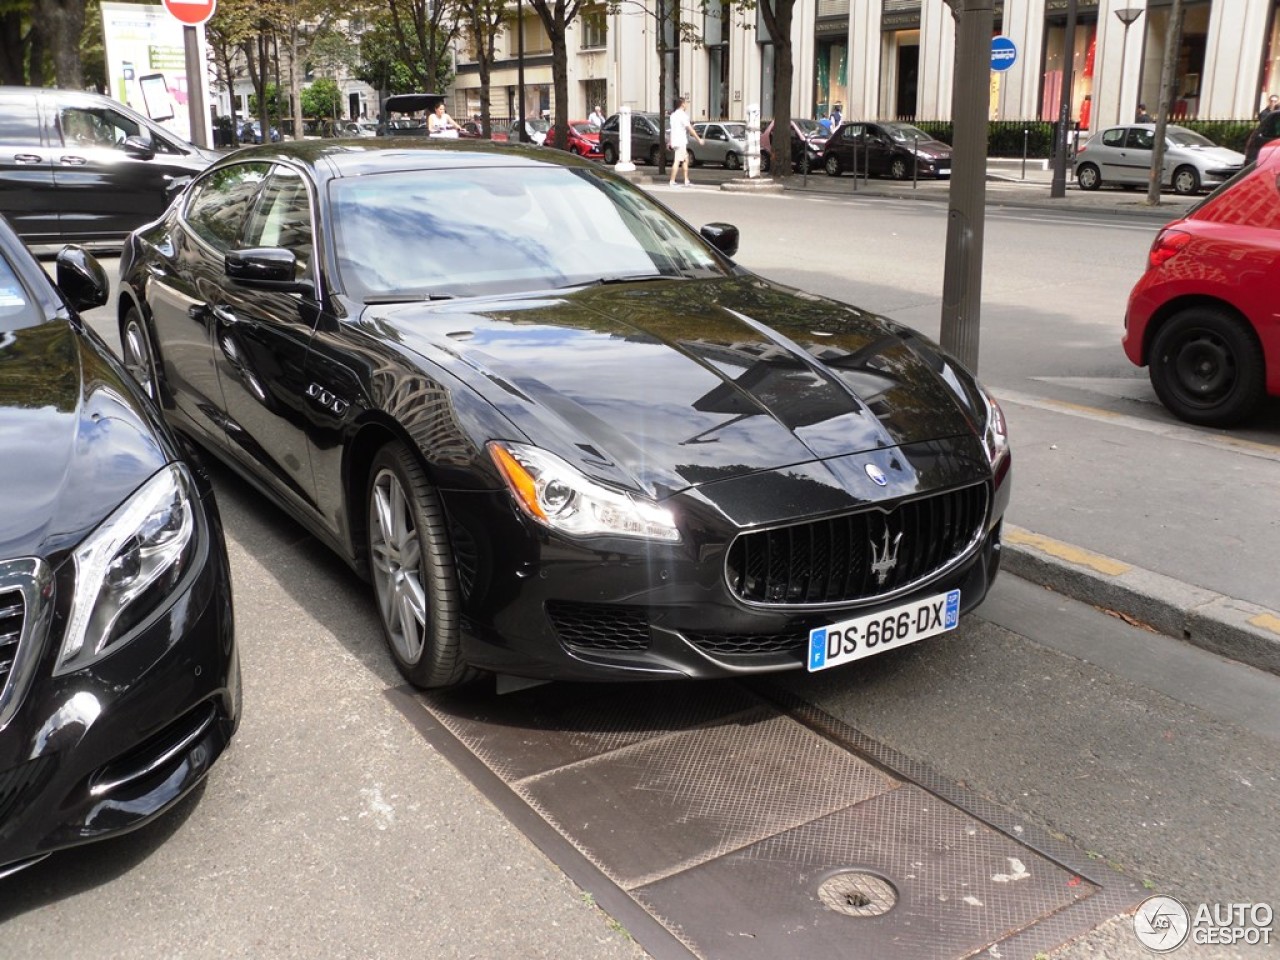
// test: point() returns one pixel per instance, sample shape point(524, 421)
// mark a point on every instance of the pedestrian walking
point(836, 117)
point(1143, 116)
point(595, 117)
point(1273, 104)
point(681, 128)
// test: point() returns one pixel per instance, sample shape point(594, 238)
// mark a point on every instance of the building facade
point(894, 59)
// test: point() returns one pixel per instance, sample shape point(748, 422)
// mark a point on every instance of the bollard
point(915, 161)
point(1026, 138)
point(753, 141)
point(624, 164)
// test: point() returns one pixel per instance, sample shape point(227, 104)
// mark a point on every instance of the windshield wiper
point(407, 298)
point(623, 278)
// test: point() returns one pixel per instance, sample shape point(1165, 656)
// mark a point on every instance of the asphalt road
point(331, 828)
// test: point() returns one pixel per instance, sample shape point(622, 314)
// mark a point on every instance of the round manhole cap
point(857, 894)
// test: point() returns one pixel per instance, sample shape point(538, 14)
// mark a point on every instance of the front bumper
point(539, 605)
point(108, 748)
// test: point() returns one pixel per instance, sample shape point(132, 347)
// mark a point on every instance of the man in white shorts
point(681, 128)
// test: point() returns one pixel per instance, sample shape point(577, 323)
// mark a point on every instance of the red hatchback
point(584, 139)
point(1203, 316)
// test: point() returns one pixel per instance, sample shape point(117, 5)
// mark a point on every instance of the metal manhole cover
point(857, 894)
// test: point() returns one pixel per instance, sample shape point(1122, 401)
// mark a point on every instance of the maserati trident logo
point(884, 556)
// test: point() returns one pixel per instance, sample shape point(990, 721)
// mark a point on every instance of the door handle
point(27, 158)
point(224, 316)
point(71, 160)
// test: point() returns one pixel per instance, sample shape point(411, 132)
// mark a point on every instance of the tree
point(485, 18)
point(22, 46)
point(322, 99)
point(777, 15)
point(424, 31)
point(556, 16)
point(61, 24)
point(226, 33)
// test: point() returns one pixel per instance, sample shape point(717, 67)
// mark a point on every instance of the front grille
point(12, 615)
point(20, 782)
point(599, 626)
point(858, 557)
point(743, 644)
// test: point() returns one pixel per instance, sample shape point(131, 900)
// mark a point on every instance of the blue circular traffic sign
point(1004, 53)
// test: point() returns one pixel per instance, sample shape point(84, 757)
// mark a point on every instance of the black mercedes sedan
point(119, 678)
point(561, 432)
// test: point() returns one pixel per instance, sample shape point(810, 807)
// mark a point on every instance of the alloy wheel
point(137, 354)
point(396, 555)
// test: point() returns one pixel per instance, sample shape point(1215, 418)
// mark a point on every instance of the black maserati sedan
point(119, 678)
point(561, 432)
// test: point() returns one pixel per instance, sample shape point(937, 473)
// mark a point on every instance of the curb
point(1227, 626)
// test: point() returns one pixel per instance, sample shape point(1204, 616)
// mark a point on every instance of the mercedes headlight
point(129, 565)
point(560, 497)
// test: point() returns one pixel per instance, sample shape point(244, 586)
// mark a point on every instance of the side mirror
point(722, 236)
point(138, 147)
point(266, 268)
point(81, 279)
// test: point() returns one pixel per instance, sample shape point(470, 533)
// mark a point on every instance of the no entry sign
point(191, 12)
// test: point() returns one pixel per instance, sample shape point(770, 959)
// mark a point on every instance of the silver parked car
point(724, 143)
point(1122, 155)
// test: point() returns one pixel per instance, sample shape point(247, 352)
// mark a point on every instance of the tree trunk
point(12, 53)
point(295, 84)
point(64, 22)
point(35, 68)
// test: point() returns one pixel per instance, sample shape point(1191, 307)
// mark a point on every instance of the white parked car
point(1122, 156)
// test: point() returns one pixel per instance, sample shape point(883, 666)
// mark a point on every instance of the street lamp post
point(521, 136)
point(1058, 186)
point(1127, 16)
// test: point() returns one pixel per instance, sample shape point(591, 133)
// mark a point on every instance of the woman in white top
point(440, 124)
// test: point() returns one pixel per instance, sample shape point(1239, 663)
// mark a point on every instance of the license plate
point(866, 636)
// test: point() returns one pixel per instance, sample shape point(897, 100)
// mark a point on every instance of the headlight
point(560, 497)
point(128, 566)
point(995, 434)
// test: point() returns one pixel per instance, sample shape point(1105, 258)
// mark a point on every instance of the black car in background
point(897, 150)
point(77, 167)
point(562, 432)
point(807, 140)
point(647, 139)
point(119, 677)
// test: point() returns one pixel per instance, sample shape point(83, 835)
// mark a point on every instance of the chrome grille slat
point(12, 618)
point(827, 562)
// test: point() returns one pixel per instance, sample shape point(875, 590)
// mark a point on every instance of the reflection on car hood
point(669, 384)
point(72, 446)
point(1219, 156)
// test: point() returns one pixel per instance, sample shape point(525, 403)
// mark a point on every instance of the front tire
point(654, 156)
point(412, 569)
point(1088, 177)
point(898, 169)
point(1207, 367)
point(732, 162)
point(1186, 181)
point(610, 154)
point(832, 166)
point(135, 349)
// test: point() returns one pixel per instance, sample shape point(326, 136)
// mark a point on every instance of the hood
point(664, 385)
point(1221, 156)
point(933, 149)
point(72, 444)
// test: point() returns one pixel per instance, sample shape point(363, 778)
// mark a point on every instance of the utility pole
point(1172, 38)
point(522, 135)
point(966, 219)
point(1058, 188)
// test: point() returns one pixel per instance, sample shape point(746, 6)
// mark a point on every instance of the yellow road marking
point(1267, 621)
point(1065, 551)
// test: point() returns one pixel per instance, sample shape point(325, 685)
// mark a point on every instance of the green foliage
point(322, 99)
point(277, 106)
point(381, 65)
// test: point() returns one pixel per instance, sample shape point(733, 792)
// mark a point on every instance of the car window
point(851, 131)
point(1182, 137)
point(478, 231)
point(19, 121)
point(220, 201)
point(1114, 137)
point(611, 124)
point(1139, 139)
point(95, 127)
point(16, 306)
point(738, 131)
point(903, 132)
point(282, 217)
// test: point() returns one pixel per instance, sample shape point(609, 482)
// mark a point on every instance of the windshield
point(738, 131)
point(585, 128)
point(905, 131)
point(539, 126)
point(476, 231)
point(1182, 137)
point(808, 127)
